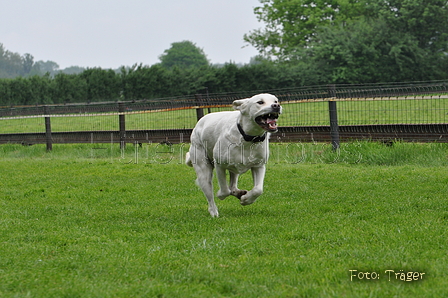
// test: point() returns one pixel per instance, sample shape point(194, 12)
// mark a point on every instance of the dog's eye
point(260, 102)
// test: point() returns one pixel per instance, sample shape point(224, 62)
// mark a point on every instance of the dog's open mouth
point(268, 121)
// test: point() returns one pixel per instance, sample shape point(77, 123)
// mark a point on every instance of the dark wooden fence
point(331, 132)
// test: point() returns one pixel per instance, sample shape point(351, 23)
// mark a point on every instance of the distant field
point(91, 221)
point(410, 111)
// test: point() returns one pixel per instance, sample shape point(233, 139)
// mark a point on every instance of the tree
point(426, 20)
point(102, 84)
point(293, 23)
point(73, 70)
point(183, 54)
point(10, 63)
point(43, 67)
point(27, 62)
point(69, 88)
point(348, 41)
point(143, 82)
point(366, 52)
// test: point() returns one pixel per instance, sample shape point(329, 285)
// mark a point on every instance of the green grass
point(92, 221)
point(359, 112)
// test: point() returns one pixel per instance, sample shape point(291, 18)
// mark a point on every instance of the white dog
point(235, 141)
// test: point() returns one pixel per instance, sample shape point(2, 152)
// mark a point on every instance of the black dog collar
point(247, 138)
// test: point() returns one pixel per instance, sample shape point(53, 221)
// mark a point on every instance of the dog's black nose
point(275, 107)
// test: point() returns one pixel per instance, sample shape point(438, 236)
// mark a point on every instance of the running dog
point(235, 141)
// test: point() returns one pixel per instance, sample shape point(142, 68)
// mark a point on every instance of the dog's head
point(263, 109)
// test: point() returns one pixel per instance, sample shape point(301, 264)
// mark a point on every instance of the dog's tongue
point(272, 123)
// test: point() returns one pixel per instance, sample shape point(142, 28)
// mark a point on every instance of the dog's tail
point(188, 160)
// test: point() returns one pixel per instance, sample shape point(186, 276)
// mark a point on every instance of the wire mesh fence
point(357, 105)
point(412, 103)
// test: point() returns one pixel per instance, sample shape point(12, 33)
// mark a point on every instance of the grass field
point(350, 112)
point(86, 221)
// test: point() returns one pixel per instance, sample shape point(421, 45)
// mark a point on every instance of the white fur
point(217, 143)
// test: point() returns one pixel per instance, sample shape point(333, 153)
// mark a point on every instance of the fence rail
point(416, 111)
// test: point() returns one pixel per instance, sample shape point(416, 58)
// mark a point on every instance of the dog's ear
point(239, 104)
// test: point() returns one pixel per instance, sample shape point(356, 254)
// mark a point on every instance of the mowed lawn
point(83, 224)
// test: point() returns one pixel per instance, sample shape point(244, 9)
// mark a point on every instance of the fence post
point(122, 124)
point(199, 111)
point(208, 100)
point(48, 137)
point(334, 126)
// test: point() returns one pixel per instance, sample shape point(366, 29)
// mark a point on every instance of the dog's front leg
point(258, 177)
point(224, 190)
point(235, 191)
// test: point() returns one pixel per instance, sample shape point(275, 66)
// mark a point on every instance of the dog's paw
point(244, 202)
point(239, 193)
point(213, 212)
point(250, 197)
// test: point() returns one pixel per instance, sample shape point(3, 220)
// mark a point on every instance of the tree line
point(146, 82)
point(14, 65)
point(150, 82)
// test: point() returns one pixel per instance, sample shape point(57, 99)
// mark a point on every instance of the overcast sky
point(112, 33)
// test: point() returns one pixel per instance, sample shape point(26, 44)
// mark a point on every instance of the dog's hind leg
point(188, 160)
point(197, 157)
point(224, 190)
point(204, 173)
